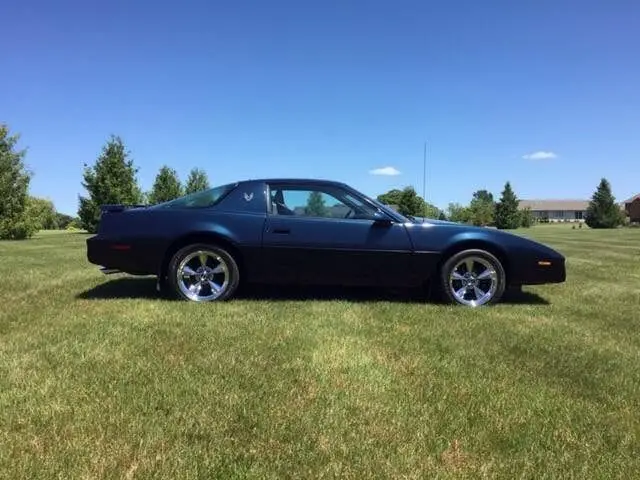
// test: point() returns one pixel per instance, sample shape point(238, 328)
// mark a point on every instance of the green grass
point(100, 378)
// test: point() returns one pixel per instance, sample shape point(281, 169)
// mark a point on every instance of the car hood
point(433, 221)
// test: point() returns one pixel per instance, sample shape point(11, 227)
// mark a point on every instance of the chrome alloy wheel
point(202, 276)
point(473, 281)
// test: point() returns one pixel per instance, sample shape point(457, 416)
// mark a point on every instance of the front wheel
point(473, 278)
point(203, 273)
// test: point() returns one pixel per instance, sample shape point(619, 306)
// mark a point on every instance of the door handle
point(281, 231)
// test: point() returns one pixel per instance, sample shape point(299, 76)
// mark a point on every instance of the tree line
point(602, 210)
point(112, 179)
point(482, 211)
point(21, 214)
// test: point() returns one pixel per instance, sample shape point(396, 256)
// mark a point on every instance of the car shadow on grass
point(145, 287)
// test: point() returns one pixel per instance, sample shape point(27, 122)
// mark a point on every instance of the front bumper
point(540, 271)
point(548, 272)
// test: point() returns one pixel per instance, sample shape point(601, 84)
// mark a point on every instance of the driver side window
point(318, 203)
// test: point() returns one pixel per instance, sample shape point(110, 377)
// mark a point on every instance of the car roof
point(298, 181)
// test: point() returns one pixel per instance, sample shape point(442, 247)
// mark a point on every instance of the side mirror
point(381, 220)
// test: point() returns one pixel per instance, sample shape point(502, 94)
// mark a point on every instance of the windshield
point(388, 209)
point(202, 199)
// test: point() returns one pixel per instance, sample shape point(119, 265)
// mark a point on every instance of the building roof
point(537, 205)
point(632, 199)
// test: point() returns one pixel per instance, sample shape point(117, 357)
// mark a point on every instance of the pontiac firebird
point(311, 232)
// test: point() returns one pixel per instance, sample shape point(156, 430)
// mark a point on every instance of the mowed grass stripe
point(126, 384)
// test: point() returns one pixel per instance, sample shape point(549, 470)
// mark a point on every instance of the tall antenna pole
point(424, 179)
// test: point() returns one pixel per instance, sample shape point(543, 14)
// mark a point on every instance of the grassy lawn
point(100, 378)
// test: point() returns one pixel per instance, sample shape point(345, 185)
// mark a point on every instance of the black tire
point(480, 256)
point(232, 271)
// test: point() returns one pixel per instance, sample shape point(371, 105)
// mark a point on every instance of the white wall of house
point(560, 215)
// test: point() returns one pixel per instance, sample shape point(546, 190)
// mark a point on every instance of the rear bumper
point(102, 252)
point(112, 255)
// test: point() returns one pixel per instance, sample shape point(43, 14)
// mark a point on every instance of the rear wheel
point(203, 273)
point(473, 278)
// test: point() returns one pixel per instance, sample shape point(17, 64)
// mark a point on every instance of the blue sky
point(331, 89)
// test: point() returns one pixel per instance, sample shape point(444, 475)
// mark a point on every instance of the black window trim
point(321, 187)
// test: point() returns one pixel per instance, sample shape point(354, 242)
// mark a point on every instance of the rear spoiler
point(119, 207)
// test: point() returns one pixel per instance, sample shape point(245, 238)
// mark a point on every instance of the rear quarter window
point(204, 199)
point(246, 197)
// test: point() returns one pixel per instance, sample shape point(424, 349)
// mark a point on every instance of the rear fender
point(204, 236)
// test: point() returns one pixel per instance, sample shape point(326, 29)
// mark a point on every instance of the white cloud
point(385, 171)
point(540, 155)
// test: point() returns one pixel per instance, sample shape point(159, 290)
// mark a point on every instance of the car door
point(324, 234)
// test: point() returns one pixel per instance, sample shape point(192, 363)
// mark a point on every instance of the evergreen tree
point(15, 224)
point(166, 186)
point(111, 180)
point(526, 218)
point(316, 206)
point(507, 215)
point(197, 181)
point(482, 208)
point(602, 211)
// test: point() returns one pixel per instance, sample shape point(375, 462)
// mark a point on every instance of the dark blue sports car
point(293, 231)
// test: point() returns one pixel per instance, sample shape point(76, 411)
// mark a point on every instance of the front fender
point(520, 256)
point(427, 237)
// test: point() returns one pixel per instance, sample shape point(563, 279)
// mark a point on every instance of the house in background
point(556, 210)
point(632, 208)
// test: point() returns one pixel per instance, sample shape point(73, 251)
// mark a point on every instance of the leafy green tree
point(166, 186)
point(62, 220)
point(526, 217)
point(408, 202)
point(42, 212)
point(15, 224)
point(507, 215)
point(392, 197)
point(197, 181)
point(430, 211)
point(602, 211)
point(442, 215)
point(75, 224)
point(316, 206)
point(458, 213)
point(113, 179)
point(483, 196)
point(482, 208)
